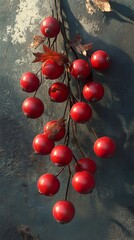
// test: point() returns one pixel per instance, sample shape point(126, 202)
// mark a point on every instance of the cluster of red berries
point(80, 112)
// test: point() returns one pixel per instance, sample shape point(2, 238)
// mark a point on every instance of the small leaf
point(87, 47)
point(80, 48)
point(37, 41)
point(25, 233)
point(103, 5)
point(59, 58)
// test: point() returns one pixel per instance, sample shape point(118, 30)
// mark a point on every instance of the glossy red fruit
point(61, 155)
point(63, 211)
point(42, 144)
point(29, 82)
point(48, 184)
point(58, 92)
point(100, 60)
point(52, 70)
point(80, 69)
point(93, 91)
point(33, 107)
point(86, 164)
point(50, 27)
point(83, 182)
point(57, 136)
point(81, 112)
point(104, 147)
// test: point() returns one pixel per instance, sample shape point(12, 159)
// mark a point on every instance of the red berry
point(86, 164)
point(42, 144)
point(52, 70)
point(48, 184)
point(61, 155)
point(29, 82)
point(93, 91)
point(58, 92)
point(104, 147)
point(80, 69)
point(81, 112)
point(50, 27)
point(100, 60)
point(33, 107)
point(60, 133)
point(63, 211)
point(83, 182)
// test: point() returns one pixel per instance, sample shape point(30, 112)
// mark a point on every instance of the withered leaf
point(80, 48)
point(25, 233)
point(37, 41)
point(59, 58)
point(103, 5)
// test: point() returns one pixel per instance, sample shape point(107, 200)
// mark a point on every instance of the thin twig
point(65, 110)
point(73, 51)
point(58, 173)
point(92, 129)
point(56, 9)
point(74, 135)
point(52, 45)
point(38, 71)
point(64, 77)
point(49, 42)
point(66, 140)
point(75, 159)
point(39, 85)
point(63, 32)
point(69, 170)
point(79, 90)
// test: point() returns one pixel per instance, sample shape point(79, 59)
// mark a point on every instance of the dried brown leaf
point(59, 58)
point(25, 234)
point(103, 5)
point(37, 41)
point(80, 48)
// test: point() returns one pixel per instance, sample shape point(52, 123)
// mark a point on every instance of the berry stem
point(75, 159)
point(69, 170)
point(63, 32)
point(76, 140)
point(54, 41)
point(49, 42)
point(58, 173)
point(39, 85)
point(64, 77)
point(67, 136)
point(52, 13)
point(95, 134)
point(70, 90)
point(74, 52)
point(79, 90)
point(65, 110)
point(38, 71)
point(73, 97)
point(56, 9)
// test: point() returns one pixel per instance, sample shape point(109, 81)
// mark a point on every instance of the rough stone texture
point(106, 214)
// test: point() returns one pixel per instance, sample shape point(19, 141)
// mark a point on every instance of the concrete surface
point(108, 213)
